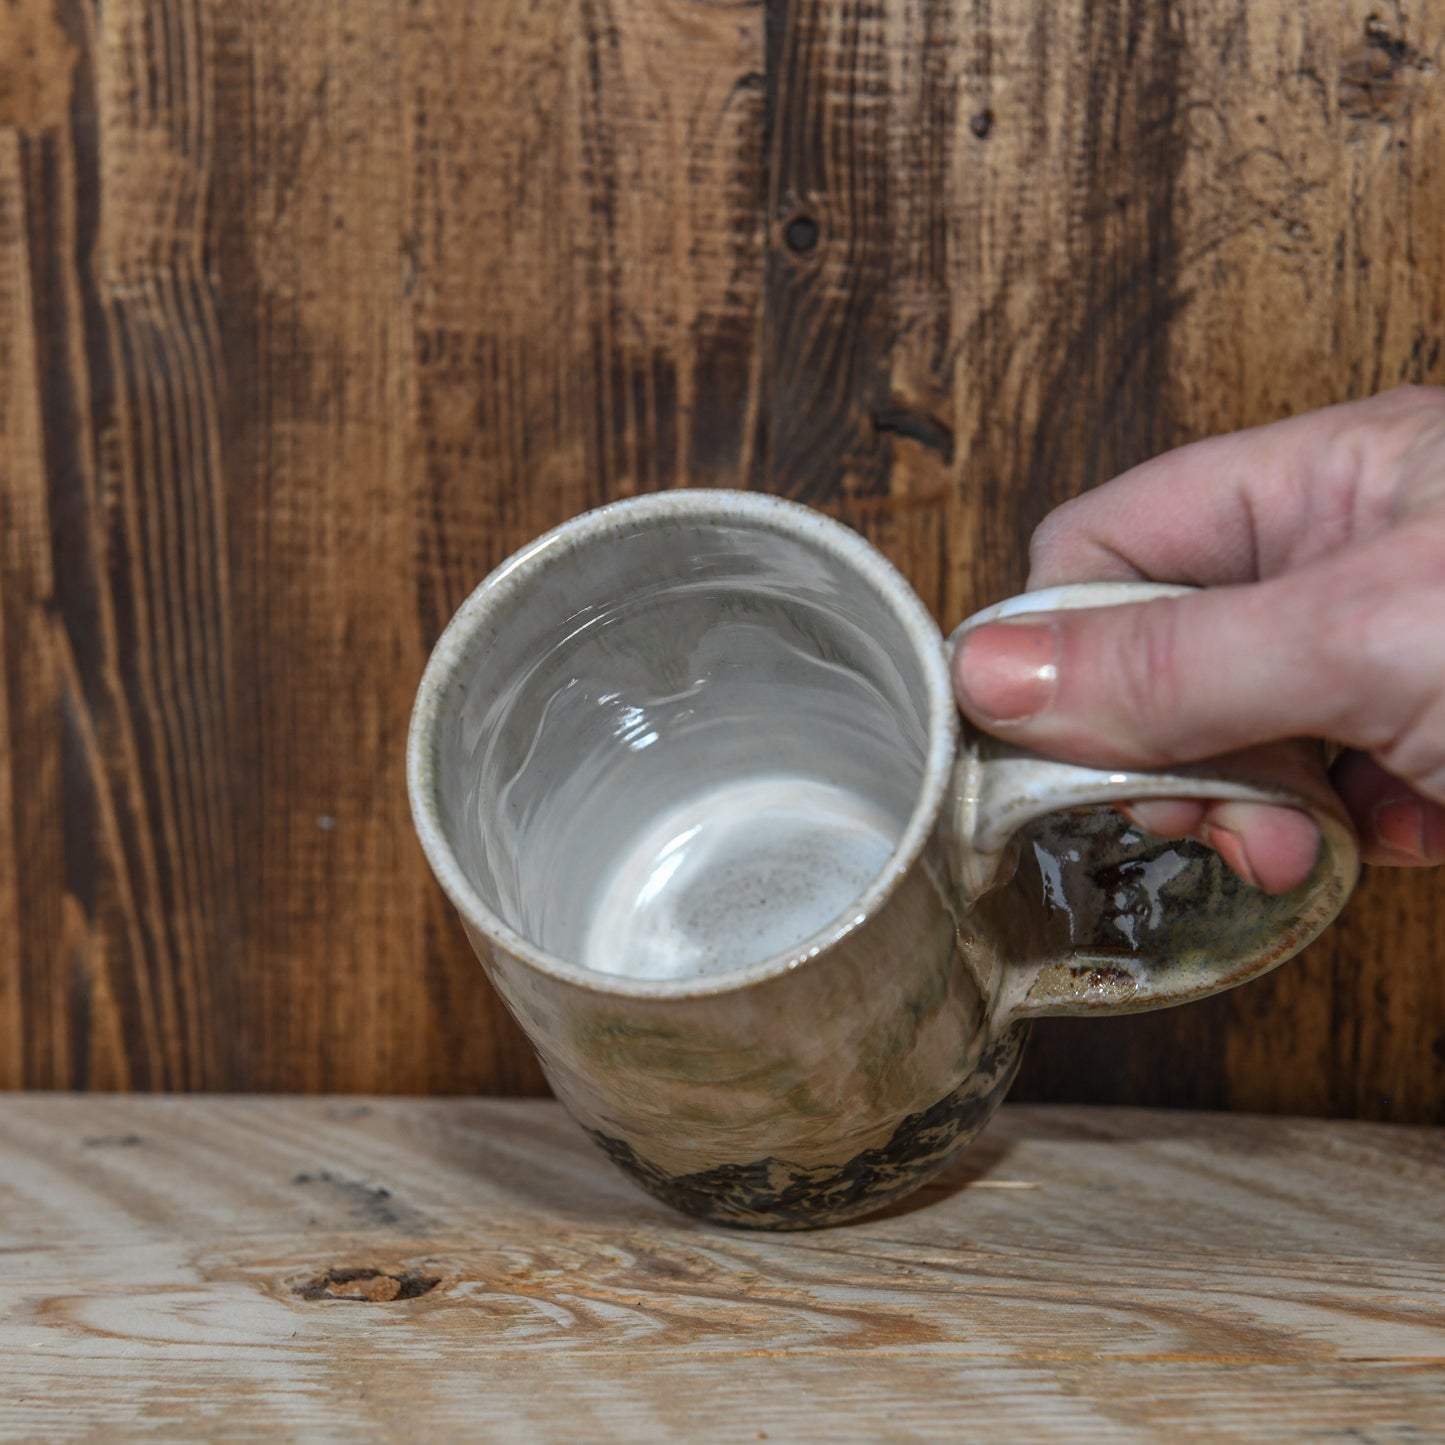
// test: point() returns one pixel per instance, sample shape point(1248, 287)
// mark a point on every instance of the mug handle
point(1094, 914)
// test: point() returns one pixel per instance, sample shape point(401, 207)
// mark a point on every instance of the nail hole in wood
point(801, 235)
point(982, 124)
point(917, 426)
point(368, 1286)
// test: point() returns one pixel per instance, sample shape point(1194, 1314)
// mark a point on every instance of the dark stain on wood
point(1376, 74)
point(371, 1204)
point(828, 322)
point(1106, 399)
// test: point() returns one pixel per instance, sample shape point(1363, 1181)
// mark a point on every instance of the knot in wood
point(801, 235)
point(368, 1286)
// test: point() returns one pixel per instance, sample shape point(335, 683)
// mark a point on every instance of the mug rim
point(465, 635)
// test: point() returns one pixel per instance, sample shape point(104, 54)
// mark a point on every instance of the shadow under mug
point(690, 769)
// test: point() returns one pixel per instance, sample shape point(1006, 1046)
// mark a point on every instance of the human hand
point(1321, 541)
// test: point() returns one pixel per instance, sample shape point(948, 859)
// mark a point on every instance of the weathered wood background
point(310, 313)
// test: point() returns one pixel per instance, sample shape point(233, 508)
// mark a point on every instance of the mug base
point(776, 1194)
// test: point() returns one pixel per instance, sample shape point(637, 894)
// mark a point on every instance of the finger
point(1397, 827)
point(1251, 504)
point(1344, 648)
point(1165, 817)
point(1271, 847)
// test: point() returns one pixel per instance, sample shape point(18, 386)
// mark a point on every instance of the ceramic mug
point(690, 769)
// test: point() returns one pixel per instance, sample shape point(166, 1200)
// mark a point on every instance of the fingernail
point(1399, 824)
point(1230, 847)
point(1008, 670)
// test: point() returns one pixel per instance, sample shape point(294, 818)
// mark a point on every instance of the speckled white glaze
point(770, 1079)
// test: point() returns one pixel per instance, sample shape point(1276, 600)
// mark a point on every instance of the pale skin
point(1321, 543)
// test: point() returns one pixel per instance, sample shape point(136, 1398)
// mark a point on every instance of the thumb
point(1152, 683)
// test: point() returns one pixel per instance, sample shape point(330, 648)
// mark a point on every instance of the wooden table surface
point(446, 1269)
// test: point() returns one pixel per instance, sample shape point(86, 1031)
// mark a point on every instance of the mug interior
point(685, 735)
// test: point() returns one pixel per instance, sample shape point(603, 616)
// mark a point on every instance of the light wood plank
point(1080, 1274)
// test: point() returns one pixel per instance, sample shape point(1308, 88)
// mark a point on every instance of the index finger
point(1244, 506)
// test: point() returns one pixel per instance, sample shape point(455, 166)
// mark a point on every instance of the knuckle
point(1340, 640)
point(1406, 428)
point(1046, 544)
point(1414, 748)
point(1432, 782)
point(1412, 400)
point(1146, 667)
point(1418, 758)
point(1421, 393)
point(1375, 643)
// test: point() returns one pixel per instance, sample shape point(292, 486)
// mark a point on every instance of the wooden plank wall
point(310, 313)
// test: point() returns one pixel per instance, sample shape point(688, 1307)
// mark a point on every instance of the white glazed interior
point(597, 676)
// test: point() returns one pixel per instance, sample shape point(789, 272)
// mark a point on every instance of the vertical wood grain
point(29, 885)
point(115, 996)
point(310, 314)
point(583, 279)
point(319, 514)
point(158, 377)
point(856, 358)
point(1068, 150)
point(1307, 266)
point(829, 321)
